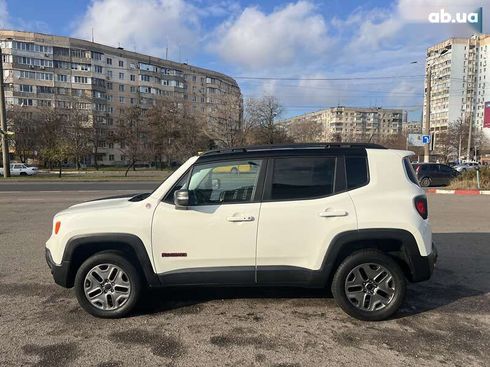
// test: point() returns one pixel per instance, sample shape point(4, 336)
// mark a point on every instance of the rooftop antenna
point(166, 51)
point(92, 34)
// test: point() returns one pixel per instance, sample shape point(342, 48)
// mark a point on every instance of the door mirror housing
point(181, 199)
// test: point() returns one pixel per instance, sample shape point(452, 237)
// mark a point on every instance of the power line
point(330, 79)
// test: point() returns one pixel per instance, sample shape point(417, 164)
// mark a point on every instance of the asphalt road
point(444, 321)
point(81, 186)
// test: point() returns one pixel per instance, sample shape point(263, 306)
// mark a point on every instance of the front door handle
point(248, 218)
point(333, 213)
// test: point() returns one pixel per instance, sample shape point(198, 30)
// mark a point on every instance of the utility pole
point(3, 124)
point(427, 114)
point(468, 155)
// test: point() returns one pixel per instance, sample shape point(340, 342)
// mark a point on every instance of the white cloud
point(144, 25)
point(255, 40)
point(4, 15)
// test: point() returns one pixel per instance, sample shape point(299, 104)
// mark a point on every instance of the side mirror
point(181, 199)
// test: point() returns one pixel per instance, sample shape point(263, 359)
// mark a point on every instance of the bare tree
point(132, 134)
point(305, 131)
point(78, 128)
point(54, 137)
point(224, 121)
point(261, 115)
point(21, 121)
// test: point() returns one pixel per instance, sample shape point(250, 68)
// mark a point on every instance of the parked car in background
point(434, 174)
point(467, 166)
point(21, 169)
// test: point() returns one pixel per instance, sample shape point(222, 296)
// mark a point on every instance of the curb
point(458, 192)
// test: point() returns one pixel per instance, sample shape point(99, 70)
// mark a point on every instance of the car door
point(214, 240)
point(15, 170)
point(300, 215)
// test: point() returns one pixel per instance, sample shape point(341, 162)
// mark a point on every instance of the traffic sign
point(425, 139)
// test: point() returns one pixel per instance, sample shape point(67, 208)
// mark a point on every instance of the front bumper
point(60, 272)
point(423, 266)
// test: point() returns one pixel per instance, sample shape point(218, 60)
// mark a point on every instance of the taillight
point(421, 206)
point(57, 226)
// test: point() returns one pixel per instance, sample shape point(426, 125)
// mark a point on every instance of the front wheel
point(369, 285)
point(107, 285)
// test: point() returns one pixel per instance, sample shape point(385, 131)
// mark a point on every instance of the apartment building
point(459, 83)
point(356, 124)
point(412, 127)
point(46, 70)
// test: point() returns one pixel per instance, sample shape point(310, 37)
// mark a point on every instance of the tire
point(95, 278)
point(23, 174)
point(376, 299)
point(235, 171)
point(425, 182)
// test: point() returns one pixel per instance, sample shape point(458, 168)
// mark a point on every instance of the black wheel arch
point(80, 248)
point(397, 243)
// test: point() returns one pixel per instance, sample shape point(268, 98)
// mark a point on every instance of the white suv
point(347, 216)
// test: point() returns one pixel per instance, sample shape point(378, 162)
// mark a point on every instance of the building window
point(121, 87)
point(109, 73)
point(132, 89)
point(121, 63)
point(132, 77)
point(25, 88)
point(81, 79)
point(121, 99)
point(109, 85)
point(108, 61)
point(132, 101)
point(144, 78)
point(111, 157)
point(98, 69)
point(121, 75)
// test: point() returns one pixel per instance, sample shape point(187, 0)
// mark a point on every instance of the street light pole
point(427, 114)
point(3, 124)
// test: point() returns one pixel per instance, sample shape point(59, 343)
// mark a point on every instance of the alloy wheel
point(370, 287)
point(107, 287)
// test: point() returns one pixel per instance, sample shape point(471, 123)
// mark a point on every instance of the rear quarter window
point(410, 171)
point(356, 172)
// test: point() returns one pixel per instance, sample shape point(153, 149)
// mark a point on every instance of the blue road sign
point(425, 139)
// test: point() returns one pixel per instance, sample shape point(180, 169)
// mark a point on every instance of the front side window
point(302, 178)
point(224, 182)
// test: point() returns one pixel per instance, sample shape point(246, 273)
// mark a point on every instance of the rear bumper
point(423, 266)
point(60, 272)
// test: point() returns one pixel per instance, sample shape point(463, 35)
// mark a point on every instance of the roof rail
point(253, 148)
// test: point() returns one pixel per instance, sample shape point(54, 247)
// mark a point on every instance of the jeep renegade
point(351, 217)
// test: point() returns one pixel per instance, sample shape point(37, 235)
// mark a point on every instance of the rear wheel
point(107, 285)
point(369, 285)
point(23, 173)
point(235, 171)
point(425, 182)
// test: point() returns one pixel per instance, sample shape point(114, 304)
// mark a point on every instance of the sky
point(309, 54)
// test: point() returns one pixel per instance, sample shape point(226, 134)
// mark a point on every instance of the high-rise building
point(355, 124)
point(459, 84)
point(45, 70)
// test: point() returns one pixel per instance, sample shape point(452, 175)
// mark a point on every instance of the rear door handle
point(248, 218)
point(333, 213)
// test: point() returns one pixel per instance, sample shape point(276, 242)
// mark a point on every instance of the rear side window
point(410, 171)
point(302, 178)
point(357, 172)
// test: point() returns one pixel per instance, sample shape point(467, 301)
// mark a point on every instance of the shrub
point(467, 180)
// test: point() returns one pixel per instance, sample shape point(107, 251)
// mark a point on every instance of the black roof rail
point(252, 148)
